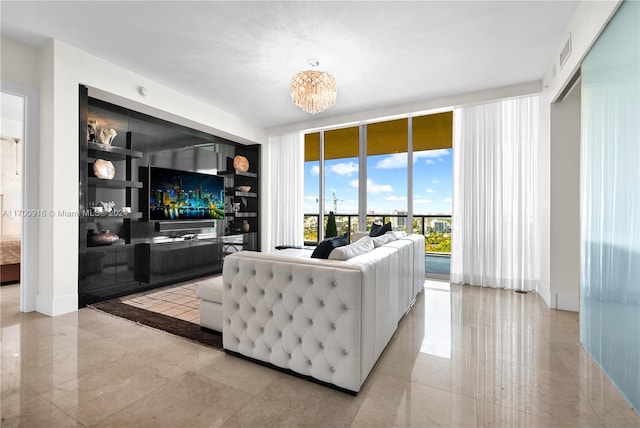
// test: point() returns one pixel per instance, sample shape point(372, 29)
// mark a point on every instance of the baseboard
point(56, 306)
point(562, 301)
point(567, 302)
point(544, 292)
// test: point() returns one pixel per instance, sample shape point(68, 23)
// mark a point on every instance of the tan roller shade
point(430, 132)
point(434, 131)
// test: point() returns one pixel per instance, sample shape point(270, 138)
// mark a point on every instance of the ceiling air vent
point(566, 51)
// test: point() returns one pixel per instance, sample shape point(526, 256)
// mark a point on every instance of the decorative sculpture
point(106, 136)
point(107, 206)
point(104, 169)
point(240, 163)
point(98, 134)
point(104, 238)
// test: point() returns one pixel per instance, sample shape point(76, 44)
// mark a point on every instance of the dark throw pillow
point(324, 248)
point(379, 230)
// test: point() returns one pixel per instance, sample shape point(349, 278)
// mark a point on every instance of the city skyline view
point(386, 183)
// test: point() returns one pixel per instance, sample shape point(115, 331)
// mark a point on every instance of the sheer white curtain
point(283, 191)
point(494, 236)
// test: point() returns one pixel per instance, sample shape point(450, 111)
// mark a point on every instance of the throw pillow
point(383, 239)
point(325, 247)
point(377, 230)
point(346, 252)
point(399, 234)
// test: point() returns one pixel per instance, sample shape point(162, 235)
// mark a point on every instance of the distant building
point(400, 222)
point(440, 226)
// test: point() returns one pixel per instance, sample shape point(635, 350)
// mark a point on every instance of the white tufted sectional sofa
point(325, 319)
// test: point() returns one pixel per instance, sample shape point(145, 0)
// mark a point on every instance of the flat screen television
point(184, 195)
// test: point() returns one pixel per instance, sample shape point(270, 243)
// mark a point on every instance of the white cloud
point(311, 198)
point(315, 170)
point(395, 198)
point(378, 188)
point(429, 190)
point(374, 187)
point(436, 182)
point(448, 200)
point(344, 168)
point(429, 162)
point(396, 160)
point(433, 154)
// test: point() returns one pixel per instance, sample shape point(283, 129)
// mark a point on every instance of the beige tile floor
point(462, 357)
point(177, 301)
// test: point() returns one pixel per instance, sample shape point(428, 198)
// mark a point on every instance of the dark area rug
point(166, 323)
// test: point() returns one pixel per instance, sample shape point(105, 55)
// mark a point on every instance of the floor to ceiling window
point(413, 196)
point(433, 188)
point(331, 159)
point(311, 187)
point(387, 173)
point(341, 177)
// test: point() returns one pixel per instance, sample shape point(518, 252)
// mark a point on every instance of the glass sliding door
point(610, 202)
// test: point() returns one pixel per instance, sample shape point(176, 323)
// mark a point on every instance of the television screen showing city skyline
point(185, 195)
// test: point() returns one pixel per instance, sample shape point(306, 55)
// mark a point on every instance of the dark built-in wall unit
point(151, 253)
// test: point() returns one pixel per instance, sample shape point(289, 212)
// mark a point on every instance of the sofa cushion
point(383, 239)
point(324, 248)
point(397, 233)
point(346, 252)
point(377, 230)
point(210, 289)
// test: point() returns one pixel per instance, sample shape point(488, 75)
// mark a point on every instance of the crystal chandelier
point(313, 90)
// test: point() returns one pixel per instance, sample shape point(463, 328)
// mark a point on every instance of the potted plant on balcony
point(332, 229)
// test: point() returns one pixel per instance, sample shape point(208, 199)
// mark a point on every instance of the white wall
point(19, 64)
point(585, 27)
point(59, 69)
point(564, 208)
point(20, 73)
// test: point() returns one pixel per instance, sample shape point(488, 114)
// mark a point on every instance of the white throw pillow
point(346, 252)
point(383, 239)
point(397, 233)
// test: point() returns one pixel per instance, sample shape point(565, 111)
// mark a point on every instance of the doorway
point(11, 144)
point(20, 191)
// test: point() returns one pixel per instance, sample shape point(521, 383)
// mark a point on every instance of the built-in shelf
point(239, 173)
point(246, 194)
point(105, 151)
point(116, 184)
point(243, 215)
point(100, 248)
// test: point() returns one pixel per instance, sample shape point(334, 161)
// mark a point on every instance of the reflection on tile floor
point(177, 301)
point(462, 357)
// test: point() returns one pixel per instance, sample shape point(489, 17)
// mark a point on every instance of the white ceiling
point(240, 56)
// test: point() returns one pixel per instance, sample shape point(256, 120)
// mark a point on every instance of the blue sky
point(386, 183)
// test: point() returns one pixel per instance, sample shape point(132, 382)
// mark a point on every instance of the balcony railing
point(435, 228)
